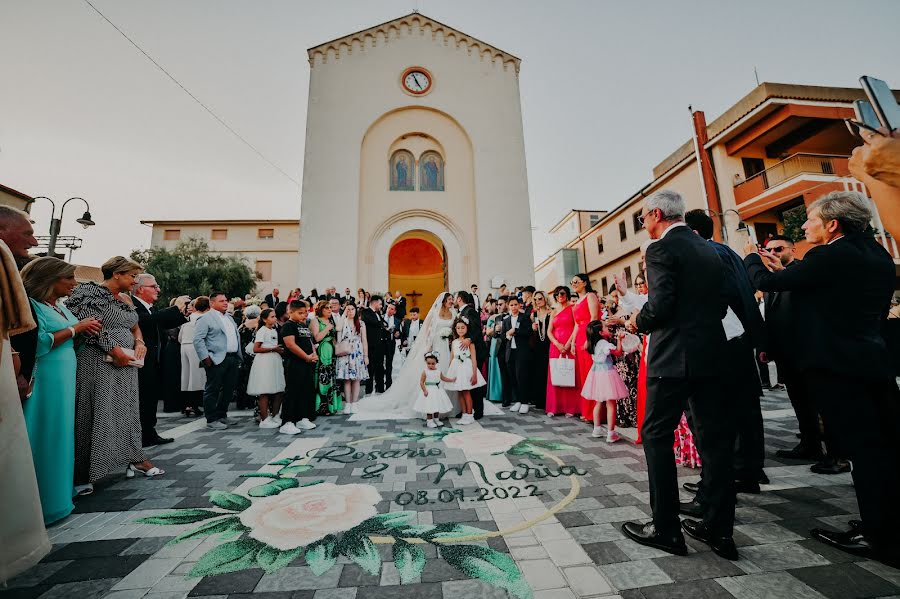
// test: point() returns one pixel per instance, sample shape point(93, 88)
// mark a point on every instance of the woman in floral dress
point(328, 400)
point(352, 368)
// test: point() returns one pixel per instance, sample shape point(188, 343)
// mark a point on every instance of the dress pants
point(518, 367)
point(749, 452)
point(149, 392)
point(390, 347)
point(713, 423)
point(300, 391)
point(479, 393)
point(221, 380)
point(505, 382)
point(376, 371)
point(804, 403)
point(871, 443)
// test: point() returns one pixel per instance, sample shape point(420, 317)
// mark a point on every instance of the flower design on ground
point(298, 517)
point(483, 441)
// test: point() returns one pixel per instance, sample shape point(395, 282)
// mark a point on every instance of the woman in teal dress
point(328, 400)
point(495, 379)
point(50, 410)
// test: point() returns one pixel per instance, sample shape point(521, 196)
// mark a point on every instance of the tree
point(793, 222)
point(191, 269)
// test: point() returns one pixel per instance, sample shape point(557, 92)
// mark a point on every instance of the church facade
point(414, 175)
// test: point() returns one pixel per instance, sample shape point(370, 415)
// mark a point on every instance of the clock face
point(417, 81)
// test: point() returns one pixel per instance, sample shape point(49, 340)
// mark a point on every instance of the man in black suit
point(273, 298)
point(376, 334)
point(518, 356)
point(410, 329)
point(500, 336)
point(476, 301)
point(687, 341)
point(476, 338)
point(152, 323)
point(392, 325)
point(400, 302)
point(847, 367)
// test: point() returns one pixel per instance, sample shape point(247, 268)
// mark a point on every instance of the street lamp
point(742, 226)
point(56, 223)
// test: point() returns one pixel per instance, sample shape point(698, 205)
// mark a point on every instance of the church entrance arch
point(417, 268)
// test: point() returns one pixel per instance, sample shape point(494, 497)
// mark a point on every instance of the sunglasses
point(777, 249)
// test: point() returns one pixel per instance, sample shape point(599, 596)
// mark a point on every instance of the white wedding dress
point(397, 402)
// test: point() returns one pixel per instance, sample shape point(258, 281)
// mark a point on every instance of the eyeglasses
point(642, 217)
point(154, 286)
point(574, 282)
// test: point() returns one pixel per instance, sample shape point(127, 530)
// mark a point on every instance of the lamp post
point(56, 223)
point(742, 226)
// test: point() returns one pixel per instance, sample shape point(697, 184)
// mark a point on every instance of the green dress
point(50, 412)
point(328, 400)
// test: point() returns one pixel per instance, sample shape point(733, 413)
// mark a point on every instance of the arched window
point(431, 172)
point(403, 171)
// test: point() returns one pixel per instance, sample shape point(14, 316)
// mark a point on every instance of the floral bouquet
point(445, 333)
point(463, 355)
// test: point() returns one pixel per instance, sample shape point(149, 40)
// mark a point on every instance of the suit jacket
point(685, 307)
point(395, 324)
point(404, 330)
point(476, 332)
point(375, 331)
point(522, 334)
point(210, 338)
point(401, 307)
point(848, 342)
point(153, 323)
point(272, 300)
point(779, 318)
point(739, 295)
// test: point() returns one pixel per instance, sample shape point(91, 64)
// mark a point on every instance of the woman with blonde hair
point(50, 411)
point(107, 418)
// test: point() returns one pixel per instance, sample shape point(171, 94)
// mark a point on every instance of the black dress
point(541, 361)
point(173, 400)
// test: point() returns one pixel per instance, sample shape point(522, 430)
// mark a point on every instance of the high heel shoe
point(132, 470)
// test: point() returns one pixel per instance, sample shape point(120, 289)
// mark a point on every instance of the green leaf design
point(294, 470)
point(417, 531)
point(551, 445)
point(409, 559)
point(361, 550)
point(227, 557)
point(228, 501)
point(321, 555)
point(271, 559)
point(274, 488)
point(383, 521)
point(312, 482)
point(179, 517)
point(495, 568)
point(282, 462)
point(223, 525)
point(410, 435)
point(525, 448)
point(260, 475)
point(450, 530)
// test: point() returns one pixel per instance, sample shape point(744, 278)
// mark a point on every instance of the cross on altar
point(414, 295)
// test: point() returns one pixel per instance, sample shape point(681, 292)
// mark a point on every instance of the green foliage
point(793, 221)
point(191, 269)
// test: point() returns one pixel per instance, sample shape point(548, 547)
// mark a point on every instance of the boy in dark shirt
point(298, 409)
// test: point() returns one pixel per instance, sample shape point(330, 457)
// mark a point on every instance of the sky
point(605, 92)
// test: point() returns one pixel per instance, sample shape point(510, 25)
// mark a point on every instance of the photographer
point(877, 164)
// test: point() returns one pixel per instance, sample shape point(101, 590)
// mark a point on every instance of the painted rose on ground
point(297, 517)
point(482, 441)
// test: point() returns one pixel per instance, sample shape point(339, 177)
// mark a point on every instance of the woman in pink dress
point(587, 309)
point(562, 400)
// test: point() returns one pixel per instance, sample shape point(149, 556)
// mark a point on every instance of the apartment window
point(266, 233)
point(604, 286)
point(594, 219)
point(752, 166)
point(628, 276)
point(219, 234)
point(637, 221)
point(599, 244)
point(172, 234)
point(264, 268)
point(623, 231)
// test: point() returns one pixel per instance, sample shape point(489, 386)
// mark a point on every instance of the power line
point(195, 98)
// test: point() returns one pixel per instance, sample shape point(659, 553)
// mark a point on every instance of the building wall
point(9, 199)
point(358, 109)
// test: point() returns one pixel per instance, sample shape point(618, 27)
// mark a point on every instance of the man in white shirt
point(216, 341)
point(410, 329)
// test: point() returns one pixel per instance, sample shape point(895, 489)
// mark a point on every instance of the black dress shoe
point(763, 479)
point(691, 508)
point(691, 487)
point(746, 486)
point(721, 546)
point(851, 541)
point(800, 452)
point(830, 467)
point(855, 524)
point(645, 534)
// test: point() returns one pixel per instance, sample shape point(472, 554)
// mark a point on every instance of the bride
point(435, 335)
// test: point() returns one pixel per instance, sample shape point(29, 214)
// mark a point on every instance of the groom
point(476, 338)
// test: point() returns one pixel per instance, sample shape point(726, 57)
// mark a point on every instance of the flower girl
point(267, 373)
point(433, 399)
point(462, 369)
point(603, 383)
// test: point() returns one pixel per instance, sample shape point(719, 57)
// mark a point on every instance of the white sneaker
point(524, 408)
point(269, 423)
point(550, 414)
point(598, 432)
point(438, 422)
point(306, 425)
point(612, 437)
point(431, 424)
point(349, 408)
point(515, 407)
point(569, 415)
point(277, 420)
point(289, 429)
point(466, 419)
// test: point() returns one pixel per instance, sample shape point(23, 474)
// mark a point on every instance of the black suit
point(375, 340)
point(848, 361)
point(518, 360)
point(500, 335)
point(152, 324)
point(684, 363)
point(404, 332)
point(476, 335)
point(393, 324)
point(401, 307)
point(272, 301)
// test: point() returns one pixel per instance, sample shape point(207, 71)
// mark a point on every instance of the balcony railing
point(793, 166)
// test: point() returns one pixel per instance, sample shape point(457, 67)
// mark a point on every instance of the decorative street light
point(56, 223)
point(742, 226)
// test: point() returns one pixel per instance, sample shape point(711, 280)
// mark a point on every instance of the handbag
point(562, 372)
point(342, 347)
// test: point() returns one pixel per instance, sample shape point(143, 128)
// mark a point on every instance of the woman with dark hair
point(50, 411)
point(586, 310)
point(193, 376)
point(328, 400)
point(352, 367)
point(561, 332)
point(540, 323)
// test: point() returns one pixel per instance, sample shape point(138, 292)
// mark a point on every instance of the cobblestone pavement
point(555, 529)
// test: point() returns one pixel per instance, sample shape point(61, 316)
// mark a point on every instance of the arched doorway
point(417, 267)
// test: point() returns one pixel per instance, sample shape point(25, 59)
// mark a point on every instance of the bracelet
point(73, 331)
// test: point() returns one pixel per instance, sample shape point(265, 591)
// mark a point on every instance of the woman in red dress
point(562, 400)
point(586, 310)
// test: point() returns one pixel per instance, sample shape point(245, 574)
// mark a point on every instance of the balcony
point(788, 169)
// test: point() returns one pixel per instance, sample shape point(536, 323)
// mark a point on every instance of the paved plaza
point(531, 509)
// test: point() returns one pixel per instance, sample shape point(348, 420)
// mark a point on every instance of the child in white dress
point(432, 400)
point(267, 372)
point(463, 370)
point(603, 383)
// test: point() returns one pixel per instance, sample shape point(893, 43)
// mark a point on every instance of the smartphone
point(868, 120)
point(883, 102)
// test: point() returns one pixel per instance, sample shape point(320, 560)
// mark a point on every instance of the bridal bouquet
point(445, 333)
point(463, 355)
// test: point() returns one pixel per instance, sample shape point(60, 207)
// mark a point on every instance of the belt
point(434, 384)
